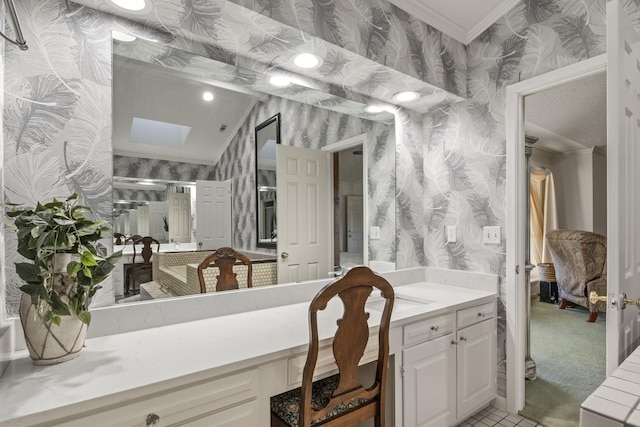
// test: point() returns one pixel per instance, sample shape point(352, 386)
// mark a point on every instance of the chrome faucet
point(338, 271)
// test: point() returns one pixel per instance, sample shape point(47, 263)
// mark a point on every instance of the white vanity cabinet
point(449, 366)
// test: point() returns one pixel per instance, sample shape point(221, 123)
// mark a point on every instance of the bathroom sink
point(376, 303)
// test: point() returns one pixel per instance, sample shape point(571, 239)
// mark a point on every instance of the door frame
point(341, 146)
point(514, 287)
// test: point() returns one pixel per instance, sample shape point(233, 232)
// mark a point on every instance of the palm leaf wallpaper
point(449, 150)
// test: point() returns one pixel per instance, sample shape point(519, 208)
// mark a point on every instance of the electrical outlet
point(451, 233)
point(491, 235)
point(374, 233)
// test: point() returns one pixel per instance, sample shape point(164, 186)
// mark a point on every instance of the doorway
point(348, 196)
point(516, 295)
point(568, 192)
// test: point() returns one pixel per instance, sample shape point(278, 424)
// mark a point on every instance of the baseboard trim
point(500, 403)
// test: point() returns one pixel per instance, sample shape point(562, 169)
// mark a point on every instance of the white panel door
point(179, 217)
point(303, 211)
point(213, 215)
point(623, 182)
point(157, 211)
point(354, 223)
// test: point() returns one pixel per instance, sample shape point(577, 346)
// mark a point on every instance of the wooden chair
point(341, 400)
point(224, 259)
point(144, 268)
point(119, 238)
point(132, 238)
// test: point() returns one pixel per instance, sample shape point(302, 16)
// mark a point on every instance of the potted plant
point(67, 265)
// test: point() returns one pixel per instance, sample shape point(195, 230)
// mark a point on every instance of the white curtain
point(544, 215)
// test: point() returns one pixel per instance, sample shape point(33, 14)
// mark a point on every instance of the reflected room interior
point(184, 123)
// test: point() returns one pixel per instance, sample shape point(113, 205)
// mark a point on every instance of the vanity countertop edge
point(117, 368)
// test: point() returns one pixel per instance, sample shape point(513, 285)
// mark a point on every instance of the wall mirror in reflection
point(267, 135)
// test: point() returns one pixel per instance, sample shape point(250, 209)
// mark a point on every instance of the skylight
point(152, 132)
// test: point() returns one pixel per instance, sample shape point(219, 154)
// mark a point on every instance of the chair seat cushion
point(286, 406)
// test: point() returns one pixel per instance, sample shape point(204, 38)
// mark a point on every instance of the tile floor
point(491, 416)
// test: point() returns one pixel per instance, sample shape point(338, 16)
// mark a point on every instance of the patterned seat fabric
point(287, 405)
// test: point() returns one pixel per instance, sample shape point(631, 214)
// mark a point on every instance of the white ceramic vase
point(49, 343)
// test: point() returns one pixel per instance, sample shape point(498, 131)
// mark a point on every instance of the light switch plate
point(374, 233)
point(451, 234)
point(491, 235)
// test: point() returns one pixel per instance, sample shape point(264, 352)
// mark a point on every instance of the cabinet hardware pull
point(435, 328)
point(454, 342)
point(152, 420)
point(483, 315)
point(463, 338)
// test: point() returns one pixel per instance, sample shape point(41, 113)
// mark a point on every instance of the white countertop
point(198, 349)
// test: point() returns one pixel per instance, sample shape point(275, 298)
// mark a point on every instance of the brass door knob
point(594, 297)
point(284, 255)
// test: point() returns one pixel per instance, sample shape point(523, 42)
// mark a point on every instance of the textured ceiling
point(569, 117)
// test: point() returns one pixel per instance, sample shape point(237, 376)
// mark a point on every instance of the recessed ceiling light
point(406, 96)
point(207, 96)
point(130, 4)
point(123, 37)
point(373, 109)
point(307, 60)
point(279, 81)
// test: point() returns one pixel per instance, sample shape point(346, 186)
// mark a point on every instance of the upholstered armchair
point(580, 260)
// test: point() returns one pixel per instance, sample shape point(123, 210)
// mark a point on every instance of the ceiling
point(165, 96)
point(569, 117)
point(464, 20)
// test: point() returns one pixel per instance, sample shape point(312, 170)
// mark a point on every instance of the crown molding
point(421, 10)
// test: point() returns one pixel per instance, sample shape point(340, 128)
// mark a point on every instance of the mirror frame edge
point(276, 118)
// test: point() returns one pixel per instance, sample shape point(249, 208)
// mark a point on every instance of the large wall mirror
point(267, 135)
point(180, 119)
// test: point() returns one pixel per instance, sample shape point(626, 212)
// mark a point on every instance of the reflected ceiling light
point(373, 109)
point(123, 37)
point(280, 81)
point(406, 96)
point(307, 60)
point(130, 4)
point(207, 96)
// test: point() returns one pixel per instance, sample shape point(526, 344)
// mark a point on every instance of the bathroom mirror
point(266, 136)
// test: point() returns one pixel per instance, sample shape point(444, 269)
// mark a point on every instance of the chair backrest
point(118, 237)
point(133, 238)
point(224, 259)
point(578, 256)
point(349, 343)
point(147, 250)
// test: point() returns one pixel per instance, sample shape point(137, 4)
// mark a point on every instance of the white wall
point(581, 187)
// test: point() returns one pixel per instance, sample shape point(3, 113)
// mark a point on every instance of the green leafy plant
point(61, 227)
point(166, 223)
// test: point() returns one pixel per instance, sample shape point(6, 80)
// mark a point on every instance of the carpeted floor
point(570, 361)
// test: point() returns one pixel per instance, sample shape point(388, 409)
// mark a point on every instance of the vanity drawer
point(203, 400)
point(476, 314)
point(428, 329)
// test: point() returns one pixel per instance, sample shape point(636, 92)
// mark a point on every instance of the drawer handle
point(435, 328)
point(481, 314)
point(153, 420)
point(463, 338)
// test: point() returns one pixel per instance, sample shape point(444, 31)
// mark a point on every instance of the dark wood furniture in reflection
point(143, 267)
point(342, 399)
point(119, 238)
point(224, 259)
point(132, 239)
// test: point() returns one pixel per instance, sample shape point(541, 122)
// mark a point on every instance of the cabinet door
point(476, 366)
point(429, 381)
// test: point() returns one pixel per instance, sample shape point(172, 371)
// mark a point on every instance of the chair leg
point(592, 316)
point(563, 304)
